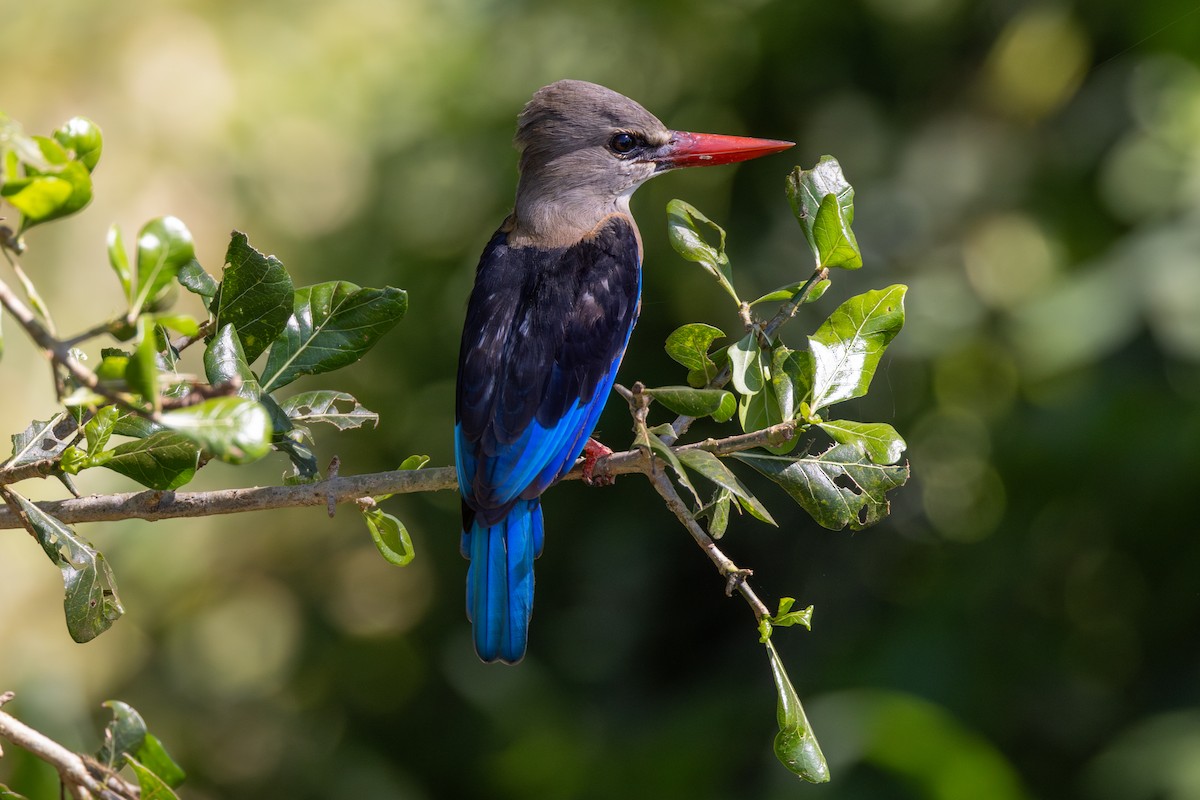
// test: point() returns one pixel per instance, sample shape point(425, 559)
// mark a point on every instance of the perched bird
point(557, 292)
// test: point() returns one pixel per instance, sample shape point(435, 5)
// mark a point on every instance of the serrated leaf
point(878, 439)
point(152, 787)
point(43, 439)
point(745, 361)
point(196, 280)
point(836, 244)
point(845, 350)
point(795, 745)
point(390, 536)
point(90, 600)
point(233, 429)
point(123, 735)
point(255, 296)
point(689, 345)
point(807, 189)
point(154, 757)
point(83, 137)
point(119, 260)
point(339, 409)
point(692, 402)
point(224, 361)
point(840, 487)
point(164, 245)
point(711, 467)
point(334, 324)
point(683, 221)
point(163, 461)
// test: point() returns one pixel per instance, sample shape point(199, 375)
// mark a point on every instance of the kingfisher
point(556, 295)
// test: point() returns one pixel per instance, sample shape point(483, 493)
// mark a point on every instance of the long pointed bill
point(709, 149)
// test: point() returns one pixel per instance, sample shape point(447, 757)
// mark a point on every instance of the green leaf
point(711, 467)
point(73, 461)
point(90, 601)
point(83, 137)
point(119, 261)
point(782, 381)
point(727, 409)
point(123, 735)
point(163, 461)
point(43, 439)
point(818, 291)
point(692, 402)
point(664, 451)
point(99, 428)
point(689, 344)
point(334, 325)
point(196, 280)
point(780, 294)
point(323, 406)
point(224, 361)
point(53, 186)
point(164, 245)
point(142, 371)
point(390, 536)
point(689, 242)
point(152, 786)
point(878, 440)
point(836, 245)
point(806, 191)
point(8, 794)
point(840, 487)
point(795, 745)
point(717, 512)
point(154, 757)
point(845, 350)
point(135, 426)
point(184, 323)
point(413, 462)
point(233, 429)
point(786, 618)
point(255, 296)
point(745, 360)
point(759, 411)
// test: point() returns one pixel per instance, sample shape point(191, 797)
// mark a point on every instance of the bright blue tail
point(500, 580)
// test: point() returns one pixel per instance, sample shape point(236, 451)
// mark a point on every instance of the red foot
point(593, 451)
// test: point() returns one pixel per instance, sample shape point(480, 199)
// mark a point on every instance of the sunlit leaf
point(806, 190)
point(141, 373)
point(745, 359)
point(119, 260)
point(878, 439)
point(43, 439)
point(840, 487)
point(54, 185)
point(255, 296)
point(90, 601)
point(692, 402)
point(233, 429)
point(224, 361)
point(689, 346)
point(836, 245)
point(333, 325)
point(81, 136)
point(795, 745)
point(683, 230)
point(163, 461)
point(164, 245)
point(339, 409)
point(785, 617)
point(99, 428)
point(845, 350)
point(390, 536)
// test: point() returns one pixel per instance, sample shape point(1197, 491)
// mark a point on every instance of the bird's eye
point(622, 143)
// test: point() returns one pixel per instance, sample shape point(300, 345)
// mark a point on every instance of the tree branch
point(83, 777)
point(154, 505)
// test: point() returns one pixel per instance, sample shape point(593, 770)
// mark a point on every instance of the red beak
point(709, 149)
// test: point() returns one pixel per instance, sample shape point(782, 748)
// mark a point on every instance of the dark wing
point(545, 332)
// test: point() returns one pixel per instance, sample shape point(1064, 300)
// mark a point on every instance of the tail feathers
point(500, 580)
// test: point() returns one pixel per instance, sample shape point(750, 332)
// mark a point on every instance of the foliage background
point(1024, 625)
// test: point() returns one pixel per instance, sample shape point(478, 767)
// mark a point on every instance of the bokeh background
point(1024, 625)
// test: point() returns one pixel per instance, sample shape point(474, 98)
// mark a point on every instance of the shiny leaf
point(840, 487)
point(196, 280)
point(90, 601)
point(845, 350)
point(878, 440)
point(163, 461)
point(224, 361)
point(691, 402)
point(255, 296)
point(334, 324)
point(390, 536)
point(164, 245)
point(142, 371)
point(233, 429)
point(795, 745)
point(683, 230)
point(81, 136)
point(339, 409)
point(745, 359)
point(689, 346)
point(99, 428)
point(836, 245)
point(119, 260)
point(806, 190)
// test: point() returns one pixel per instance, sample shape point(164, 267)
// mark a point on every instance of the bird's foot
point(593, 451)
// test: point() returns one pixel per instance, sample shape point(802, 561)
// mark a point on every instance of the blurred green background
point(1024, 625)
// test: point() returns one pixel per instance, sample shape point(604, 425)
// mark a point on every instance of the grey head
point(584, 150)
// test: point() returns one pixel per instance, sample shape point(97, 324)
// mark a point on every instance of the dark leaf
point(224, 361)
point(334, 325)
point(714, 470)
point(163, 461)
point(123, 735)
point(255, 296)
point(692, 402)
point(840, 487)
point(323, 406)
point(196, 280)
point(8, 794)
point(90, 602)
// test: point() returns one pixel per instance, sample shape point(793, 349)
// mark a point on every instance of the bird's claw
point(593, 451)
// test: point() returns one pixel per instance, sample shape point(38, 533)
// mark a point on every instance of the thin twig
point(83, 783)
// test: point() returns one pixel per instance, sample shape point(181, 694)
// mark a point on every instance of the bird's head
point(585, 149)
